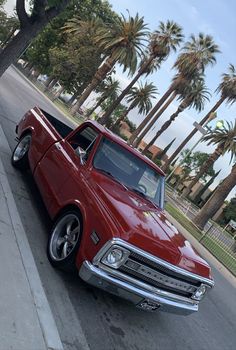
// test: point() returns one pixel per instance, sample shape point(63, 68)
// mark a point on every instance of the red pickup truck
point(107, 202)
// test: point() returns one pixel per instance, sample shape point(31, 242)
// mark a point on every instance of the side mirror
point(81, 153)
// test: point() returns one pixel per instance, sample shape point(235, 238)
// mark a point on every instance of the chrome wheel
point(64, 237)
point(21, 149)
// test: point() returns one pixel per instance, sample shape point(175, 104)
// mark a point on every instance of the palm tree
point(139, 97)
point(195, 97)
point(110, 88)
point(216, 200)
point(196, 55)
point(227, 89)
point(165, 39)
point(225, 139)
point(122, 42)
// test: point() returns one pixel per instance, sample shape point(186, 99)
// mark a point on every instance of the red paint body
point(105, 205)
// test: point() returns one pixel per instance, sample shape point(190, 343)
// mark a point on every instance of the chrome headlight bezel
point(121, 255)
point(200, 292)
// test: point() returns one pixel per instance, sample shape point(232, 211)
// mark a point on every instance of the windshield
point(131, 171)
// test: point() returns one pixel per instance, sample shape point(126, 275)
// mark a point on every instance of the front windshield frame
point(135, 161)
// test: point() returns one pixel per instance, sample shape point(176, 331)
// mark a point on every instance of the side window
point(84, 139)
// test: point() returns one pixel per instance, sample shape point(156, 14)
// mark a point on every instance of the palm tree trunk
point(98, 77)
point(100, 101)
point(116, 103)
point(165, 126)
point(122, 117)
point(192, 133)
point(210, 161)
point(151, 114)
point(216, 200)
point(153, 121)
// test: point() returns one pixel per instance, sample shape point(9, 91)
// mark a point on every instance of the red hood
point(143, 225)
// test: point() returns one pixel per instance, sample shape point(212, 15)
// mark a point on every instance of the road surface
point(82, 312)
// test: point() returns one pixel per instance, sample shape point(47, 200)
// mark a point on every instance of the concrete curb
point(204, 252)
point(46, 320)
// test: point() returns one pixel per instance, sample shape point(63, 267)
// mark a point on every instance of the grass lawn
point(227, 258)
point(184, 221)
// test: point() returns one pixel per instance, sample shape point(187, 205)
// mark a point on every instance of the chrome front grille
point(158, 275)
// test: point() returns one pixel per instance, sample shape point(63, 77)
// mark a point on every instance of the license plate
point(148, 305)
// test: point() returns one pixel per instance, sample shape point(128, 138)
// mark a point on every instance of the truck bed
point(61, 127)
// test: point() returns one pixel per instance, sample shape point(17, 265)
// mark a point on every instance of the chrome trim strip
point(153, 258)
point(95, 276)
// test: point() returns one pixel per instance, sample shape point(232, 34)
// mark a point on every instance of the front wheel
point(19, 157)
point(64, 240)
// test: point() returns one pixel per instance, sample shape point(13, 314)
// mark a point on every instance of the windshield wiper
point(138, 191)
point(112, 176)
point(141, 193)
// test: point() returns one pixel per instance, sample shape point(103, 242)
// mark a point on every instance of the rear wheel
point(64, 241)
point(19, 157)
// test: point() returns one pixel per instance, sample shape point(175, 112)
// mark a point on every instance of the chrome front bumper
point(134, 291)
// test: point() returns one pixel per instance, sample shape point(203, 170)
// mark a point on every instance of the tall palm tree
point(122, 42)
point(195, 97)
point(165, 39)
point(139, 97)
point(216, 200)
point(196, 54)
point(225, 139)
point(227, 90)
point(110, 88)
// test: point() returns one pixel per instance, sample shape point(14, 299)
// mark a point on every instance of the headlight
point(200, 292)
point(115, 257)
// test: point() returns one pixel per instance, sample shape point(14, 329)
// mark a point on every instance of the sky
point(216, 18)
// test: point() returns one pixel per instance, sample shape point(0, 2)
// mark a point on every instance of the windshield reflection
point(129, 170)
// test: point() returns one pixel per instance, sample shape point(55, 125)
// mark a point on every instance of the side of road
point(72, 120)
point(204, 252)
point(26, 320)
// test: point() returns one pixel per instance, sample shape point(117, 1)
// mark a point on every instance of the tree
point(161, 154)
point(225, 139)
point(69, 66)
point(52, 37)
point(109, 88)
point(139, 97)
point(30, 25)
point(115, 115)
point(191, 163)
point(198, 197)
point(196, 54)
point(8, 25)
point(195, 97)
point(229, 212)
point(122, 41)
point(227, 89)
point(166, 38)
point(216, 200)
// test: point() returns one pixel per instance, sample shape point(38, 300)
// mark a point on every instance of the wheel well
point(67, 208)
point(25, 132)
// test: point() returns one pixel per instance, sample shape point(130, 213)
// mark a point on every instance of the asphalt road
point(106, 322)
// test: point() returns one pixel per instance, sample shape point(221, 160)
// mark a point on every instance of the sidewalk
point(26, 321)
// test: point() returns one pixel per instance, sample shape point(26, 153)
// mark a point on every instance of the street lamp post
point(219, 125)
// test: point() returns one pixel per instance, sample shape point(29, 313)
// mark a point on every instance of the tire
point(64, 240)
point(19, 158)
